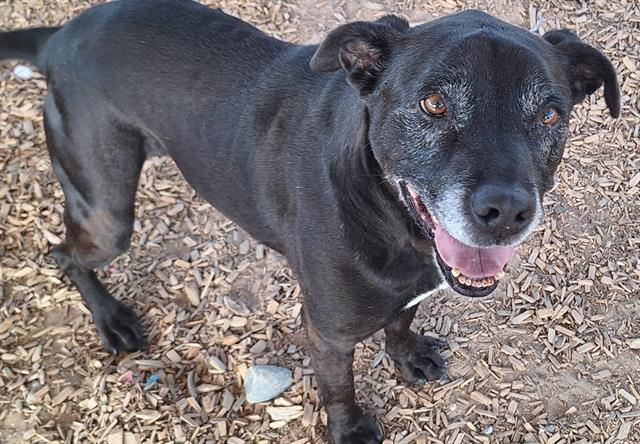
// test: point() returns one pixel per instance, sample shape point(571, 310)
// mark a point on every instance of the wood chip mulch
point(552, 357)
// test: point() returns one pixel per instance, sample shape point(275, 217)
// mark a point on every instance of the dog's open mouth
point(471, 271)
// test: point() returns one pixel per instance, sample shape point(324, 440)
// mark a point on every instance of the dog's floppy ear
point(587, 68)
point(361, 49)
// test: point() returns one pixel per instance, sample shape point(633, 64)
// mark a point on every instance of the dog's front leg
point(417, 356)
point(332, 359)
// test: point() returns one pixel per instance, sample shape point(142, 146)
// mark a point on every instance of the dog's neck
point(375, 222)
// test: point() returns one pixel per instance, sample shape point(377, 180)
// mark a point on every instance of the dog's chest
point(429, 282)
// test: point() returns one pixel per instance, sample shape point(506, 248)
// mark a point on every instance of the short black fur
point(312, 150)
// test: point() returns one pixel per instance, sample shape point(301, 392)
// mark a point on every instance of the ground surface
point(550, 358)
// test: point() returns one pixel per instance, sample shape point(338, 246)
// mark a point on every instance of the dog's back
point(186, 77)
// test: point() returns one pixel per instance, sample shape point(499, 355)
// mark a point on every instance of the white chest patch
point(422, 296)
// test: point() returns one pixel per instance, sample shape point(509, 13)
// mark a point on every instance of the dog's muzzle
point(469, 270)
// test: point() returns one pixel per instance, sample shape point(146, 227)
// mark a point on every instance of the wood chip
point(550, 357)
point(284, 413)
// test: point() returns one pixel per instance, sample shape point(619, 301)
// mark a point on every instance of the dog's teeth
point(476, 283)
point(455, 272)
point(434, 219)
point(500, 275)
point(490, 282)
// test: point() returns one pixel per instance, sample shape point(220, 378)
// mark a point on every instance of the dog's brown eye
point(434, 105)
point(550, 116)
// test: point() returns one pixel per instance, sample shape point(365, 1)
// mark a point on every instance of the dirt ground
point(552, 357)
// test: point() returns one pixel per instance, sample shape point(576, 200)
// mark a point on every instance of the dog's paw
point(365, 430)
point(119, 328)
point(424, 363)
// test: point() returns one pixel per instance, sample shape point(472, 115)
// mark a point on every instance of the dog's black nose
point(504, 209)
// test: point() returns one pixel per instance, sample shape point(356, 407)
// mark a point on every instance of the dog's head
point(468, 118)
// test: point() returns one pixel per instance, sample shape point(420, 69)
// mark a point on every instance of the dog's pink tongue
point(473, 262)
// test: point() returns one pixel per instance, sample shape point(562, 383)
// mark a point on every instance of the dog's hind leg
point(98, 165)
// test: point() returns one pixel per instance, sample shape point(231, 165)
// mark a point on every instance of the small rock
point(265, 382)
point(22, 72)
point(551, 428)
point(488, 430)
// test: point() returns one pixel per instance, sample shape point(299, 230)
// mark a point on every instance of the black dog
point(422, 170)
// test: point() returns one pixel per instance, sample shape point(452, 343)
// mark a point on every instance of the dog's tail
point(25, 44)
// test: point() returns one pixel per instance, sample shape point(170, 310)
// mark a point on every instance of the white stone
point(22, 72)
point(265, 382)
